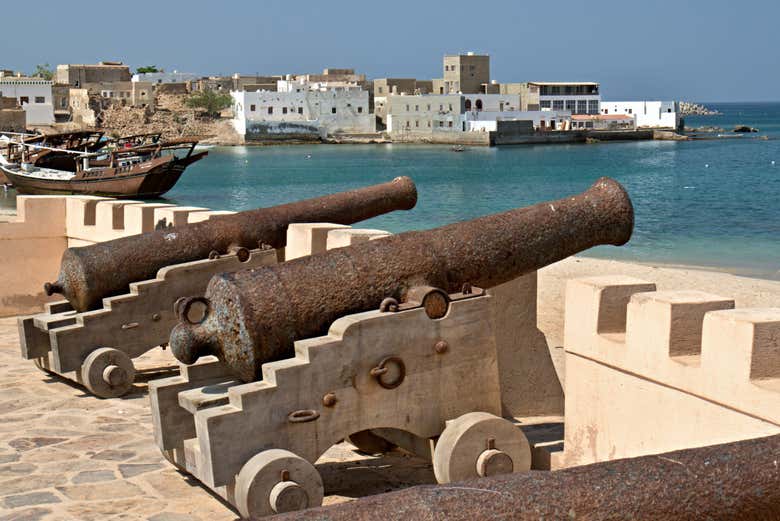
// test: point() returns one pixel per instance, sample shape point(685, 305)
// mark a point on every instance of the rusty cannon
point(733, 481)
point(90, 273)
point(255, 316)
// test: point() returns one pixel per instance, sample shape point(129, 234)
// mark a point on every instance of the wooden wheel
point(479, 444)
point(107, 372)
point(276, 481)
point(368, 442)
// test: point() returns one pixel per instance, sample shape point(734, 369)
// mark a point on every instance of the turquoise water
point(708, 203)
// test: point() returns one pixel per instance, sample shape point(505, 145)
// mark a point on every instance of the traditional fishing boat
point(87, 163)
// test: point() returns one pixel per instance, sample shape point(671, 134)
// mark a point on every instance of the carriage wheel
point(108, 372)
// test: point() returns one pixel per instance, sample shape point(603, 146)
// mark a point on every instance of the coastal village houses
point(307, 107)
point(34, 95)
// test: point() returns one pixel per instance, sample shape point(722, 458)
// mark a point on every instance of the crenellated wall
point(31, 246)
point(654, 371)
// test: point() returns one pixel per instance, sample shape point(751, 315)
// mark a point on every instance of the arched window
point(479, 104)
point(468, 104)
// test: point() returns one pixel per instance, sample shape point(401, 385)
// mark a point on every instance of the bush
point(211, 101)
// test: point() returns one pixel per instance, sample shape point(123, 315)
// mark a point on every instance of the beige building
point(529, 94)
point(12, 116)
point(82, 76)
point(425, 114)
point(466, 73)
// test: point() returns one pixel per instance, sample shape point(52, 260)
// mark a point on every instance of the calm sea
point(708, 203)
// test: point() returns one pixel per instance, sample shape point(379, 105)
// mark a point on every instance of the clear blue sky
point(715, 50)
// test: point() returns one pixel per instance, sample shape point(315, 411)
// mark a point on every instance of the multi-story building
point(384, 87)
point(164, 77)
point(466, 73)
point(82, 76)
point(648, 114)
point(33, 94)
point(529, 94)
point(574, 97)
point(425, 113)
point(299, 109)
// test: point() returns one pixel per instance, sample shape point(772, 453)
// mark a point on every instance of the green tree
point(43, 70)
point(211, 101)
point(148, 68)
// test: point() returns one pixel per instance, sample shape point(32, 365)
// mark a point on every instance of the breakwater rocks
point(688, 108)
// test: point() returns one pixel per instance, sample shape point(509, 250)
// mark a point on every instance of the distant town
point(463, 107)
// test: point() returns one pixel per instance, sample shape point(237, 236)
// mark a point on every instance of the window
point(441, 123)
point(360, 110)
point(284, 110)
point(588, 124)
point(429, 124)
point(300, 110)
point(270, 110)
point(571, 105)
point(557, 104)
point(417, 108)
point(333, 110)
point(441, 107)
point(669, 110)
point(593, 106)
point(449, 124)
point(380, 90)
point(630, 111)
point(407, 108)
point(545, 104)
point(24, 99)
point(582, 107)
point(416, 123)
point(429, 106)
point(468, 104)
point(251, 108)
point(450, 107)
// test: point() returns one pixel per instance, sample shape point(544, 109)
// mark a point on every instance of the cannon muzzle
point(255, 316)
point(89, 273)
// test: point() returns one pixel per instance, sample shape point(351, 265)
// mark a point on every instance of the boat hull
point(154, 182)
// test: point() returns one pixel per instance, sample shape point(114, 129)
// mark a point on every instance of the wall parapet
point(649, 371)
point(32, 244)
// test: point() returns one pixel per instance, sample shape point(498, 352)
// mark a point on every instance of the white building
point(33, 94)
point(648, 114)
point(574, 97)
point(465, 113)
point(165, 77)
point(302, 111)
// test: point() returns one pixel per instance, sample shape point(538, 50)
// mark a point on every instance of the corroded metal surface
point(90, 273)
point(731, 482)
point(256, 315)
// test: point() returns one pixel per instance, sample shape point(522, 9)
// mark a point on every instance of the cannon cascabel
point(90, 273)
point(255, 316)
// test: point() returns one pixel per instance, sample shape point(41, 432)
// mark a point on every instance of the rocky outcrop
point(744, 129)
point(172, 118)
point(688, 108)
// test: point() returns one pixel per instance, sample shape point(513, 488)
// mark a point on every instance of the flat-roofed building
point(33, 94)
point(302, 112)
point(574, 97)
point(91, 76)
point(465, 73)
point(425, 113)
point(648, 114)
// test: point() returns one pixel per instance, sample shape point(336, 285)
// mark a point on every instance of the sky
point(708, 50)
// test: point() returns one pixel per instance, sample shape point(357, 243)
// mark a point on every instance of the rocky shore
point(688, 108)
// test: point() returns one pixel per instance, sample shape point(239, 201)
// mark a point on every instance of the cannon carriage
point(388, 342)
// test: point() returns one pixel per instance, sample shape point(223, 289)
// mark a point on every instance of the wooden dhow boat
point(136, 166)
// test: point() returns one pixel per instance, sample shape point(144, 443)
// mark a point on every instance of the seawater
point(708, 203)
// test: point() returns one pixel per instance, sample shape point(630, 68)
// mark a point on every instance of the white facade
point(165, 77)
point(491, 102)
point(487, 121)
point(331, 111)
point(33, 94)
point(648, 114)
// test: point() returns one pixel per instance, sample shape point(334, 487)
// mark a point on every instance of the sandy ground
point(65, 455)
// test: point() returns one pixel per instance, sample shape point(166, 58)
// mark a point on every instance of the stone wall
point(32, 245)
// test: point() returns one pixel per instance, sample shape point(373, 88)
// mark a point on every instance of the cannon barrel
point(733, 481)
point(89, 273)
point(254, 316)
